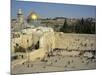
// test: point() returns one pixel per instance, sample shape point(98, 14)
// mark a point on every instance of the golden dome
point(33, 16)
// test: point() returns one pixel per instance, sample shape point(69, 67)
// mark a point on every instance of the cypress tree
point(64, 27)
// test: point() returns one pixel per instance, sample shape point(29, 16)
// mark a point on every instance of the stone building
point(18, 23)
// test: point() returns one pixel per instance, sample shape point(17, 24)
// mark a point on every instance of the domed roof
point(33, 16)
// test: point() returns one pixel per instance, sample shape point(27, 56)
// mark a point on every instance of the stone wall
point(47, 41)
point(70, 41)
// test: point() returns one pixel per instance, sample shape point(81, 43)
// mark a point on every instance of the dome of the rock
point(33, 16)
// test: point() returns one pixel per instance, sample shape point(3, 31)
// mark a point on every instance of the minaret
point(20, 16)
point(20, 19)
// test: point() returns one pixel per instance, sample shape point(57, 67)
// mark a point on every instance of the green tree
point(64, 27)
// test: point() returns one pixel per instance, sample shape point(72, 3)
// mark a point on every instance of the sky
point(51, 10)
